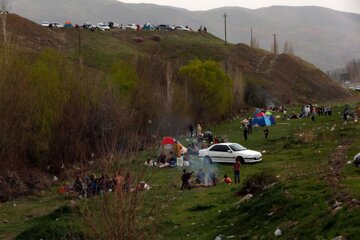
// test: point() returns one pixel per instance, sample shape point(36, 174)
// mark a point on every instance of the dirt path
point(332, 176)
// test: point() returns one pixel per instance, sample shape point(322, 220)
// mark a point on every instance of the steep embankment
point(265, 78)
point(31, 35)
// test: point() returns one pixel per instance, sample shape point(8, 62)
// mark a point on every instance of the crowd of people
point(306, 111)
point(208, 179)
point(201, 179)
point(90, 185)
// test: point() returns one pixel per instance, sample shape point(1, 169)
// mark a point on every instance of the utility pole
point(225, 16)
point(275, 46)
point(251, 39)
point(80, 57)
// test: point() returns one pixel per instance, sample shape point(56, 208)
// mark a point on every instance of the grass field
point(300, 204)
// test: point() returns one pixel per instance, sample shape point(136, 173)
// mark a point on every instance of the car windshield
point(237, 147)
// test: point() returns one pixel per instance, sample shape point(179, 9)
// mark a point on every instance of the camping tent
point(271, 117)
point(167, 146)
point(68, 24)
point(261, 119)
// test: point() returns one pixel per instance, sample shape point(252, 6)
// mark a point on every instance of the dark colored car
point(163, 27)
point(89, 26)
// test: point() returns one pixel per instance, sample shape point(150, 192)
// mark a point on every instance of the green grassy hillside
point(103, 103)
point(298, 154)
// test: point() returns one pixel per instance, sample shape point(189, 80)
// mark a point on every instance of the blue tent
point(261, 119)
point(271, 117)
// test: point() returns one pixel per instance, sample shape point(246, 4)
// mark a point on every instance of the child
point(226, 180)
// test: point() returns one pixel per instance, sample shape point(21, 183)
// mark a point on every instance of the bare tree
point(288, 48)
point(253, 41)
point(4, 11)
point(353, 69)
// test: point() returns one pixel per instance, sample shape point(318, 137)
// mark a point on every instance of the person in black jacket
point(185, 179)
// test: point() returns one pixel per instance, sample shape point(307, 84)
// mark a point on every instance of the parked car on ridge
point(45, 24)
point(131, 26)
point(103, 27)
point(163, 27)
point(89, 26)
point(56, 25)
point(181, 28)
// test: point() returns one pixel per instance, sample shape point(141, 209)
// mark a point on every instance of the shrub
point(209, 86)
point(123, 79)
point(156, 38)
point(121, 214)
point(257, 182)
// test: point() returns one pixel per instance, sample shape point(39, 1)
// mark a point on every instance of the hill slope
point(324, 37)
point(263, 78)
point(33, 36)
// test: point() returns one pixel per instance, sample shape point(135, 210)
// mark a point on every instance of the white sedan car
point(181, 28)
point(45, 24)
point(357, 160)
point(228, 152)
point(131, 26)
point(103, 27)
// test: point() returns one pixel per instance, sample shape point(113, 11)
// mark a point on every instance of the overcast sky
point(341, 5)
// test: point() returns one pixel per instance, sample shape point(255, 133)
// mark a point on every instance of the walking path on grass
point(332, 175)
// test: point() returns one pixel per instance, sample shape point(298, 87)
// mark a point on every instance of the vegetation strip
point(332, 176)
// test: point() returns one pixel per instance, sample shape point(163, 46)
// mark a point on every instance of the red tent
point(167, 140)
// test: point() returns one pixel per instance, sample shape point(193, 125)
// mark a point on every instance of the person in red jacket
point(237, 166)
point(226, 180)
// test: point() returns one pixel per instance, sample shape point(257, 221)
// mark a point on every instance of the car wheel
point(207, 160)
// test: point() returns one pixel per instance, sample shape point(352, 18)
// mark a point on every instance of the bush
point(254, 184)
point(209, 86)
point(156, 38)
point(123, 79)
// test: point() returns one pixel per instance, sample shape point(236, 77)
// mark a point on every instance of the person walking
point(266, 132)
point(237, 166)
point(245, 132)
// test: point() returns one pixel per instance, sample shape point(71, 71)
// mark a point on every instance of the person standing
point(285, 113)
point(266, 132)
point(237, 166)
point(178, 150)
point(245, 132)
point(191, 129)
point(119, 183)
point(79, 186)
point(249, 126)
point(199, 130)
